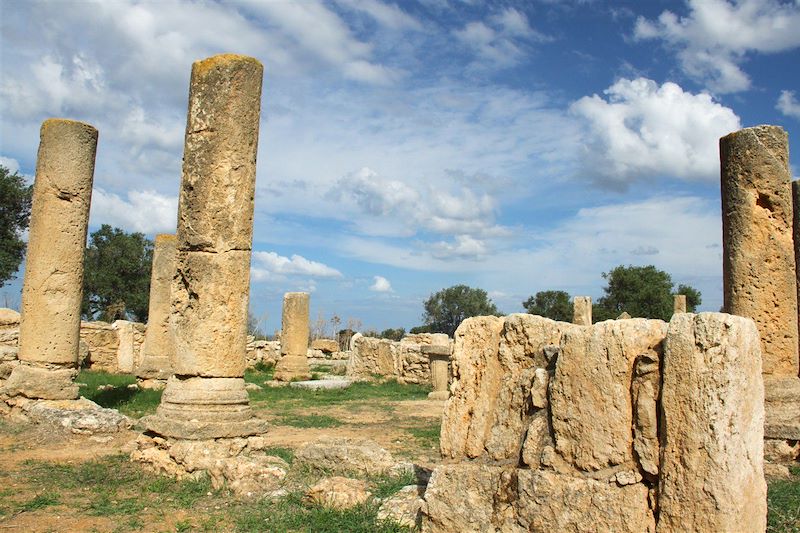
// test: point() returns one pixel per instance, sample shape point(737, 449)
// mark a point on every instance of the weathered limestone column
point(679, 303)
point(206, 396)
point(439, 358)
point(158, 348)
point(582, 310)
point(52, 290)
point(796, 239)
point(293, 364)
point(711, 474)
point(759, 276)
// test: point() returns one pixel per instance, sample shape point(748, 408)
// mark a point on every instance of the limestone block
point(220, 155)
point(52, 288)
point(781, 451)
point(590, 394)
point(338, 493)
point(782, 407)
point(9, 318)
point(341, 455)
point(325, 345)
point(158, 349)
point(796, 238)
point(209, 313)
point(548, 501)
point(35, 382)
point(102, 344)
point(679, 303)
point(79, 416)
point(372, 356)
point(470, 497)
point(130, 336)
point(759, 276)
point(9, 327)
point(582, 310)
point(404, 507)
point(711, 472)
point(294, 324)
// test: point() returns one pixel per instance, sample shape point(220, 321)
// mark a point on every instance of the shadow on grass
point(111, 390)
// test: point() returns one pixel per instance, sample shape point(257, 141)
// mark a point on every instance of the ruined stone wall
point(401, 360)
point(557, 427)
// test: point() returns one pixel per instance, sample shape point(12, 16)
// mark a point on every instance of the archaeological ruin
point(293, 364)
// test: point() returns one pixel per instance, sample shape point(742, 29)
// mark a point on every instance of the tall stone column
point(206, 396)
point(53, 284)
point(158, 348)
point(796, 239)
point(582, 310)
point(439, 358)
point(679, 303)
point(759, 277)
point(293, 364)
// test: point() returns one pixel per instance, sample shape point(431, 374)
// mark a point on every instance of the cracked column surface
point(206, 396)
point(157, 350)
point(51, 292)
point(293, 364)
point(759, 277)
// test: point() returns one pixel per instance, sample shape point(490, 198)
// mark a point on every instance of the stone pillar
point(53, 284)
point(582, 310)
point(158, 348)
point(293, 364)
point(759, 276)
point(679, 303)
point(796, 239)
point(206, 396)
point(711, 474)
point(439, 358)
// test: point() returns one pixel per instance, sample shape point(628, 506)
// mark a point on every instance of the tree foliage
point(15, 212)
point(641, 292)
point(394, 334)
point(550, 304)
point(116, 280)
point(446, 309)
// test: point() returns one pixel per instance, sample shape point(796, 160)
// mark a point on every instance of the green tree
point(116, 279)
point(550, 304)
point(641, 292)
point(446, 309)
point(394, 334)
point(15, 212)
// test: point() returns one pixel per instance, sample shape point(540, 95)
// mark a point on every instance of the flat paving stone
point(322, 384)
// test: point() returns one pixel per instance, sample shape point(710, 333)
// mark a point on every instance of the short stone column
point(293, 364)
point(679, 303)
point(582, 310)
point(759, 276)
point(439, 358)
point(206, 396)
point(49, 331)
point(158, 348)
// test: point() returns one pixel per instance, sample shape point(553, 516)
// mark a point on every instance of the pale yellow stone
point(582, 310)
point(712, 475)
point(293, 364)
point(53, 282)
point(679, 303)
point(159, 342)
point(759, 276)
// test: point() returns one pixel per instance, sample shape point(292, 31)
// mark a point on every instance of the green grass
point(427, 436)
point(292, 514)
point(783, 502)
point(132, 402)
point(39, 502)
point(309, 421)
point(287, 454)
point(281, 397)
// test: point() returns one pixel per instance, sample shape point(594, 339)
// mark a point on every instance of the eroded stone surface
point(343, 455)
point(711, 472)
point(404, 507)
point(159, 348)
point(338, 493)
point(759, 277)
point(582, 310)
point(80, 416)
point(39, 382)
point(293, 364)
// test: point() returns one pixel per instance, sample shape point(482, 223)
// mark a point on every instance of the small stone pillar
point(582, 310)
point(759, 276)
point(49, 331)
point(158, 348)
point(206, 396)
point(293, 364)
point(679, 303)
point(439, 358)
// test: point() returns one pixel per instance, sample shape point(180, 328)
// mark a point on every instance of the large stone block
point(46, 383)
point(590, 395)
point(711, 472)
point(209, 313)
point(215, 211)
point(759, 276)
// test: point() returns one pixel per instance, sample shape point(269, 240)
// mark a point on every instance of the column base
point(154, 367)
point(197, 408)
point(41, 382)
point(292, 368)
point(439, 395)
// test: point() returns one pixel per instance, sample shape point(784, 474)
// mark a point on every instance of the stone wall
point(558, 427)
point(401, 360)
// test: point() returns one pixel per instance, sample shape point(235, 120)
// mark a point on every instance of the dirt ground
point(385, 422)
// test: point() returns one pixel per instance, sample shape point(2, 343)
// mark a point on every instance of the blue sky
point(410, 146)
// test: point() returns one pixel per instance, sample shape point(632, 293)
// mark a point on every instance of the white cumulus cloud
point(381, 285)
point(272, 265)
point(644, 130)
point(717, 35)
point(788, 104)
point(143, 211)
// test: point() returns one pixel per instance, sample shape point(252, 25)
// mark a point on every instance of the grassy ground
point(783, 500)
